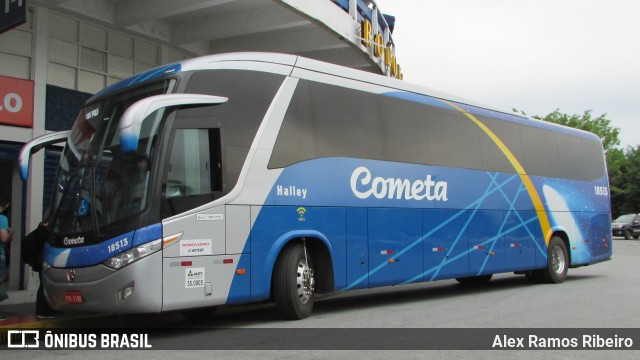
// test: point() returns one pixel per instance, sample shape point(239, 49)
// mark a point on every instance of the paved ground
point(600, 296)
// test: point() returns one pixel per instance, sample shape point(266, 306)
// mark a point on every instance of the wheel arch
point(562, 234)
point(318, 247)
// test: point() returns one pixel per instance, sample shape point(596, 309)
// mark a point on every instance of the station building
point(55, 54)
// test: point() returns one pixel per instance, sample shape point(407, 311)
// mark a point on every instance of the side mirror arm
point(36, 145)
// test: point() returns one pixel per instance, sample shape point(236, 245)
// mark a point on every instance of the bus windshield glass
point(97, 185)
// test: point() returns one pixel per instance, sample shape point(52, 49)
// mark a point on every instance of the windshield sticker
point(209, 217)
point(195, 247)
point(83, 207)
point(90, 114)
point(193, 278)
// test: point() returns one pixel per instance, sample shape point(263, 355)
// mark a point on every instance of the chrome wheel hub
point(305, 282)
point(558, 261)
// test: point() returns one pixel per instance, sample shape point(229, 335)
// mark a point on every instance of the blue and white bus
point(251, 177)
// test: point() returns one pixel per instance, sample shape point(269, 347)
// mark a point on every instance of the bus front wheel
point(294, 282)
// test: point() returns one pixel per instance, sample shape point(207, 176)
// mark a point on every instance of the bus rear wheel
point(557, 263)
point(294, 283)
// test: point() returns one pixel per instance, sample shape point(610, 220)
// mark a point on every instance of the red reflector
point(186, 263)
point(227, 261)
point(478, 247)
point(438, 249)
point(73, 297)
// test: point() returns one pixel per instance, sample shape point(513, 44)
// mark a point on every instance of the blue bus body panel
point(357, 248)
point(446, 241)
point(95, 254)
point(394, 254)
point(87, 255)
point(521, 252)
point(456, 223)
point(277, 225)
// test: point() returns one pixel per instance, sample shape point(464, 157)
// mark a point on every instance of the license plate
point(73, 297)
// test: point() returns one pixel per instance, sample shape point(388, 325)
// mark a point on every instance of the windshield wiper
point(65, 192)
point(93, 207)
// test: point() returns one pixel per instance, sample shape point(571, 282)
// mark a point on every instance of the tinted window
point(395, 129)
point(454, 140)
point(321, 121)
point(324, 120)
point(579, 158)
point(573, 163)
point(493, 157)
point(250, 93)
point(543, 152)
point(540, 152)
point(594, 155)
point(195, 165)
point(193, 175)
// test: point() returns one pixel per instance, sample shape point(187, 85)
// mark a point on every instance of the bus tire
point(475, 280)
point(294, 283)
point(557, 262)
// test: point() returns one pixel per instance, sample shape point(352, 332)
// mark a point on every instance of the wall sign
point(16, 101)
point(12, 13)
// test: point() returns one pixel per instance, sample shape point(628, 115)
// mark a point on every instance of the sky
point(533, 55)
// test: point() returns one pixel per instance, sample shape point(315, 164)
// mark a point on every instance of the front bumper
point(103, 288)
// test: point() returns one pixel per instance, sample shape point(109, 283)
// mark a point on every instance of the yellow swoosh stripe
point(533, 193)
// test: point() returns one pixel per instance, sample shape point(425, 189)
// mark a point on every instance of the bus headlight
point(134, 254)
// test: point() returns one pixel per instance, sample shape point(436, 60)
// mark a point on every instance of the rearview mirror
point(34, 146)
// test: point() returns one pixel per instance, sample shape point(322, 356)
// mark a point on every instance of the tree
point(630, 174)
point(617, 167)
point(601, 126)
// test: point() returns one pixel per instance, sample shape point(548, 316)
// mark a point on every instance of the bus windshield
point(97, 185)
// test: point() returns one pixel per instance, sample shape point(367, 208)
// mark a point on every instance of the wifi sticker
point(301, 212)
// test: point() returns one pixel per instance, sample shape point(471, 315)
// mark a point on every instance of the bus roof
point(288, 63)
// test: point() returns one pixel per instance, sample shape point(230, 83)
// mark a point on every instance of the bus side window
point(194, 173)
